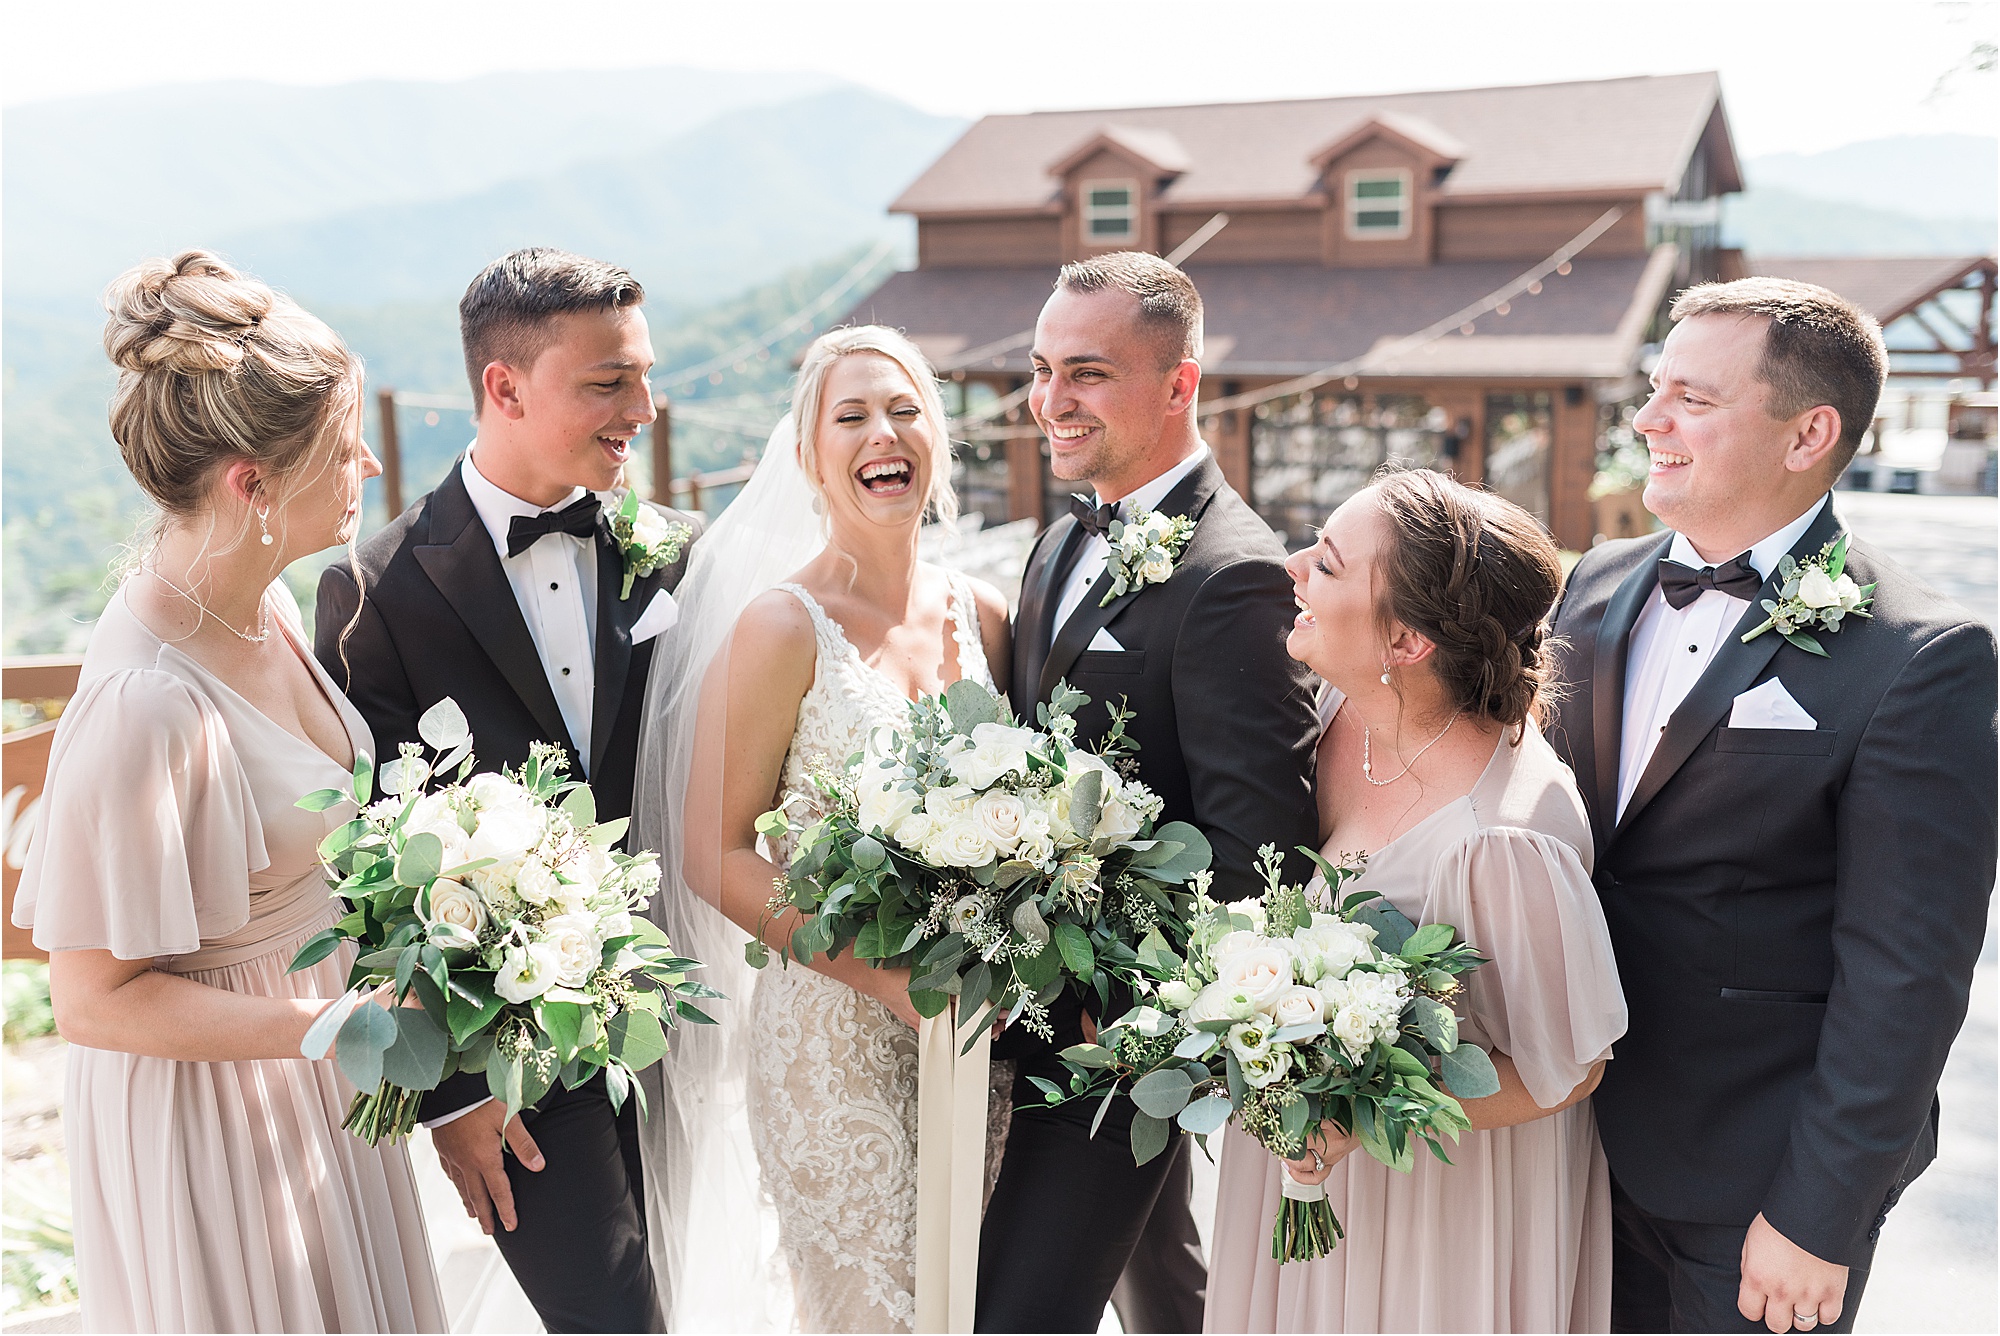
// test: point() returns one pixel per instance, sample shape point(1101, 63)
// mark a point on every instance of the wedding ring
point(1809, 1319)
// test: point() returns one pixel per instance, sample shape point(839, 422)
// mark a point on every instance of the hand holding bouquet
point(1284, 1015)
point(993, 859)
point(500, 903)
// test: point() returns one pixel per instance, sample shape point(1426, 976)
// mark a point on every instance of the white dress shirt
point(555, 584)
point(1090, 561)
point(1672, 647)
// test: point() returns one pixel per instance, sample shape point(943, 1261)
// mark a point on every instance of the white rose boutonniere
point(1816, 595)
point(1144, 547)
point(646, 539)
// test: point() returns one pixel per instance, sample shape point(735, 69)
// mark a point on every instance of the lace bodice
point(834, 1075)
point(848, 698)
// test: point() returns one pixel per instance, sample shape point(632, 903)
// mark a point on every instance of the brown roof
point(1285, 319)
point(1607, 136)
point(1887, 287)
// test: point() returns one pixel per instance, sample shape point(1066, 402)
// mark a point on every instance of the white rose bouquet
point(997, 861)
point(501, 904)
point(1284, 1014)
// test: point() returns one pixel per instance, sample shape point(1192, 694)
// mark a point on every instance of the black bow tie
point(579, 518)
point(1094, 519)
point(1682, 585)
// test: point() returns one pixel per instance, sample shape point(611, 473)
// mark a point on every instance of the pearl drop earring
point(1385, 677)
point(264, 523)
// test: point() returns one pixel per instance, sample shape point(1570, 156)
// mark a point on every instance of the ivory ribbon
point(951, 1173)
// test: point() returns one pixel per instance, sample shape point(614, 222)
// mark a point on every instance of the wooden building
point(1350, 224)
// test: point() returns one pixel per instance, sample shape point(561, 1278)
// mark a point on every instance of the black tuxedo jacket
point(438, 618)
point(1225, 720)
point(1796, 914)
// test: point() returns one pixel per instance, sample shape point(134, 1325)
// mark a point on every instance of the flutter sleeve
point(148, 830)
point(1549, 996)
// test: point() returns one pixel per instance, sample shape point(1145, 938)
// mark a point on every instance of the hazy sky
point(1797, 75)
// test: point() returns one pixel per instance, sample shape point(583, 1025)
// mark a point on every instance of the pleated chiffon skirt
point(224, 1196)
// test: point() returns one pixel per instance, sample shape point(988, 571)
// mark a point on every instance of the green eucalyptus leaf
point(1436, 1023)
point(970, 705)
point(443, 727)
point(1086, 801)
point(1149, 1136)
point(1163, 1093)
point(1469, 1072)
point(421, 859)
point(1205, 1115)
point(416, 1060)
point(364, 1036)
point(321, 799)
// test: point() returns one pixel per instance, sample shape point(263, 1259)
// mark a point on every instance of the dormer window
point(1110, 212)
point(1378, 204)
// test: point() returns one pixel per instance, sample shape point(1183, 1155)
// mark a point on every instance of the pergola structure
point(1936, 311)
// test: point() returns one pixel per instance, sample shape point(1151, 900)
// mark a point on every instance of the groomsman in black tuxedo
point(502, 590)
point(1226, 732)
point(1795, 850)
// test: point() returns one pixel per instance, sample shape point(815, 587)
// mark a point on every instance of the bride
point(807, 621)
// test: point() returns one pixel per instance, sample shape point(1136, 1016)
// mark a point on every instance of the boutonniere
point(1144, 548)
point(1816, 595)
point(646, 539)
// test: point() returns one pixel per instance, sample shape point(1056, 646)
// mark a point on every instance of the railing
point(46, 681)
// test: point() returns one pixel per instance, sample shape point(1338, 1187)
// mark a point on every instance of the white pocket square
point(660, 614)
point(1769, 705)
point(1104, 640)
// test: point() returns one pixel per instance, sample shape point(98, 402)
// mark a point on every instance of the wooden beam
point(663, 451)
point(392, 455)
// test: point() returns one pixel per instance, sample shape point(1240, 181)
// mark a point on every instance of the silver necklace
point(1368, 762)
point(263, 612)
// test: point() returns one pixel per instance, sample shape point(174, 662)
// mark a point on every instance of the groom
point(1795, 850)
point(502, 590)
point(1226, 732)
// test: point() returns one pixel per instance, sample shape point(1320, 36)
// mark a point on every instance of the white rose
point(1156, 570)
point(1330, 949)
point(963, 842)
point(455, 904)
point(1003, 817)
point(535, 883)
point(996, 750)
point(505, 833)
point(885, 806)
point(1354, 1027)
point(1261, 971)
point(1266, 1068)
point(615, 924)
point(490, 791)
point(1212, 1003)
point(1816, 589)
point(1038, 843)
point(649, 526)
point(913, 830)
point(1175, 995)
point(964, 913)
point(1117, 822)
point(948, 801)
point(1250, 1039)
point(588, 866)
point(1242, 939)
point(495, 882)
point(574, 945)
point(526, 972)
point(1848, 592)
point(1298, 1005)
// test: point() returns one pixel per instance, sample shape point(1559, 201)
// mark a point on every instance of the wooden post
point(694, 494)
point(663, 451)
point(392, 456)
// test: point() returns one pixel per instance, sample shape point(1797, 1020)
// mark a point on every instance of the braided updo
point(216, 367)
point(1475, 575)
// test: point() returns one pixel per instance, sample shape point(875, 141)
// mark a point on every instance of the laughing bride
point(808, 621)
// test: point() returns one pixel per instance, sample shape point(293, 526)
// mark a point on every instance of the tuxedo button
point(565, 672)
point(554, 585)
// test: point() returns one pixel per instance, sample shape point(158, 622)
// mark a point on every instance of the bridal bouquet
point(1284, 1015)
point(500, 904)
point(994, 859)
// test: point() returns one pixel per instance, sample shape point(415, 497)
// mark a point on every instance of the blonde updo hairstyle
point(810, 387)
point(215, 367)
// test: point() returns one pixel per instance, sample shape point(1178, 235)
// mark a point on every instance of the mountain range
point(734, 197)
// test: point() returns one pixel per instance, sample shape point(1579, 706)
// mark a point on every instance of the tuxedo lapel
point(461, 561)
point(1607, 686)
point(1044, 593)
point(1189, 497)
point(615, 618)
point(1731, 672)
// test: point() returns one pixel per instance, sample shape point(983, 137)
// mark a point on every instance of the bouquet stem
point(1306, 1228)
point(388, 1112)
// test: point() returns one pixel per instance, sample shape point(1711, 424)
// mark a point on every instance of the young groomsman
point(503, 589)
point(1795, 848)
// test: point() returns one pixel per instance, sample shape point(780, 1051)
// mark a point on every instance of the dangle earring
point(1385, 674)
point(264, 523)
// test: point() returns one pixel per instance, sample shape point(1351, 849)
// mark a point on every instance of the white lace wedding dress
point(833, 1075)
